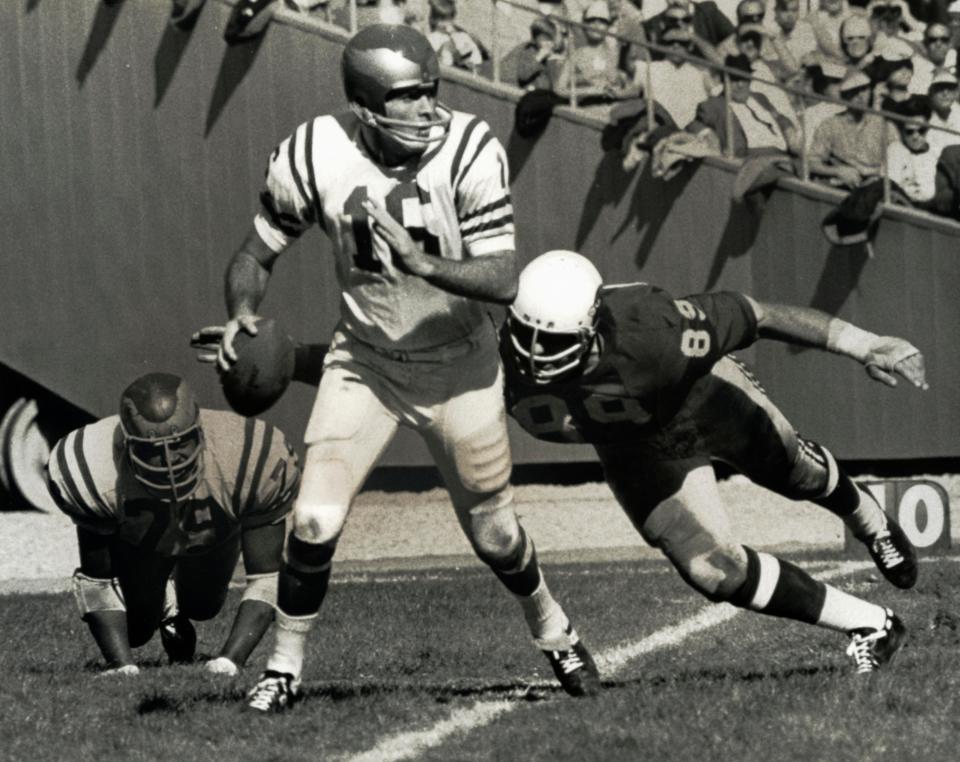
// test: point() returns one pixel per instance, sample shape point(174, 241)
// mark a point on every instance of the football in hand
point(263, 369)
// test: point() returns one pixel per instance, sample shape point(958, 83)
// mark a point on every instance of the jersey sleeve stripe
point(72, 491)
point(505, 201)
point(293, 165)
point(468, 131)
point(279, 220)
point(312, 176)
point(488, 136)
point(249, 427)
point(85, 473)
point(483, 227)
point(265, 446)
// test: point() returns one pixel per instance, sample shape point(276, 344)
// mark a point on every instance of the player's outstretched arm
point(262, 553)
point(245, 285)
point(100, 605)
point(491, 278)
point(885, 357)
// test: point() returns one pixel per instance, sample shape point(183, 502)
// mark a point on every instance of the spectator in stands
point(532, 64)
point(371, 12)
point(945, 111)
point(758, 128)
point(937, 54)
point(751, 15)
point(705, 17)
point(749, 42)
point(675, 83)
point(826, 22)
point(825, 79)
point(795, 34)
point(856, 41)
point(592, 70)
point(848, 147)
point(953, 21)
point(892, 19)
point(454, 46)
point(891, 69)
point(630, 22)
point(911, 160)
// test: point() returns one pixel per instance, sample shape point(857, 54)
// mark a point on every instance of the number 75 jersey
point(454, 201)
point(655, 352)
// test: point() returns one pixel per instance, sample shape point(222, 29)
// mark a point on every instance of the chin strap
point(390, 127)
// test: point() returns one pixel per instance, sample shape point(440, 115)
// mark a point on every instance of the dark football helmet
point(383, 58)
point(160, 420)
point(552, 322)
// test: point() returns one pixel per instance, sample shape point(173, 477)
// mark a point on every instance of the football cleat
point(274, 692)
point(871, 649)
point(894, 555)
point(179, 639)
point(184, 14)
point(575, 669)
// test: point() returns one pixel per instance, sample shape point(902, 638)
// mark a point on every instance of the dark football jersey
point(654, 349)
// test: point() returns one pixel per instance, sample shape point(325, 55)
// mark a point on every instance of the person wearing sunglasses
point(937, 54)
point(707, 21)
point(945, 111)
point(911, 160)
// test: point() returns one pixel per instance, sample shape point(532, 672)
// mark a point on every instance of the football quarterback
point(647, 380)
point(166, 498)
point(415, 200)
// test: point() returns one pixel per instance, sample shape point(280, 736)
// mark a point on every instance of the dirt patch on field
point(38, 550)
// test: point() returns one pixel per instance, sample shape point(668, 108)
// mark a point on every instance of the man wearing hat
point(945, 111)
point(848, 147)
point(824, 79)
point(529, 65)
point(705, 18)
point(758, 128)
point(592, 69)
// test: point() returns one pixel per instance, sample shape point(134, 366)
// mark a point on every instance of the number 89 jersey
point(654, 351)
point(455, 202)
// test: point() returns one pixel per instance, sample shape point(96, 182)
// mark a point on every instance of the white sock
point(548, 624)
point(845, 612)
point(868, 519)
point(291, 637)
point(170, 607)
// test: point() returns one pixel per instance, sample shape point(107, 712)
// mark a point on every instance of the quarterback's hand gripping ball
point(890, 355)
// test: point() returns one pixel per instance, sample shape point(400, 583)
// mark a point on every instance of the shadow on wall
point(167, 59)
point(236, 62)
point(839, 279)
point(103, 23)
point(738, 237)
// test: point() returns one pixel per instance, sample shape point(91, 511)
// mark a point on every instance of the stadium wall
point(131, 155)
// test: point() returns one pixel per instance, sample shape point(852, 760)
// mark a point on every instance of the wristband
point(846, 339)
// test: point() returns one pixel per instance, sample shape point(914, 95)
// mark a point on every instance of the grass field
point(436, 665)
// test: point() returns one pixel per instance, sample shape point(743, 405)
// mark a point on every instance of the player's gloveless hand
point(411, 256)
point(226, 355)
point(207, 342)
point(891, 356)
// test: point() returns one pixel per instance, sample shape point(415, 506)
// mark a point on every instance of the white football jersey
point(455, 202)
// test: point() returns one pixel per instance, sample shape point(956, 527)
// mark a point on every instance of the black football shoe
point(179, 639)
point(274, 692)
point(871, 649)
point(894, 555)
point(575, 669)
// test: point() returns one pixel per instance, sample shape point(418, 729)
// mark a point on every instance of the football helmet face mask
point(160, 421)
point(379, 61)
point(552, 322)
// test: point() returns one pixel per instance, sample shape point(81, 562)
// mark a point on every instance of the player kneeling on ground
point(646, 379)
point(166, 498)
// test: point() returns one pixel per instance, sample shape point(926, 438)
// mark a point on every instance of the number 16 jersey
point(454, 201)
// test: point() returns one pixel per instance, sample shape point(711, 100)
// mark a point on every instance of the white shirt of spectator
point(923, 70)
point(759, 125)
point(938, 139)
point(677, 88)
point(777, 97)
point(914, 172)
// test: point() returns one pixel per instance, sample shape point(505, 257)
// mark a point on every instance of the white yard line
point(407, 745)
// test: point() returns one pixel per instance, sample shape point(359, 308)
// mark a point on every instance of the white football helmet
point(552, 321)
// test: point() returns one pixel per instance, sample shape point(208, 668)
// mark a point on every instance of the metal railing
point(723, 74)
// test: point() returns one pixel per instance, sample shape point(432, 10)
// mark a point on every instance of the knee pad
point(94, 594)
point(318, 523)
point(495, 533)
